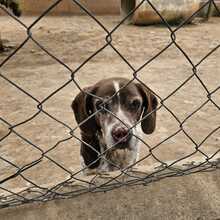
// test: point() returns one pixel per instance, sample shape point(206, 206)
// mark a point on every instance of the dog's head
point(113, 107)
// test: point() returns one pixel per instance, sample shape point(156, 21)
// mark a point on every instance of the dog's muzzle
point(121, 135)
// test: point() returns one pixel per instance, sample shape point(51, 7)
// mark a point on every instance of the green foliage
point(13, 5)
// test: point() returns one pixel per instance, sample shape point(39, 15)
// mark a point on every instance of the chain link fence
point(75, 185)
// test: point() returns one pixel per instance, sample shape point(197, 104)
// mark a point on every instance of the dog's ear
point(83, 108)
point(149, 104)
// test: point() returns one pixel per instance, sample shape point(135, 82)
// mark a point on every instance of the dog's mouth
point(121, 146)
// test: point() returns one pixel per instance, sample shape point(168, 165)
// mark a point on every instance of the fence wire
point(74, 186)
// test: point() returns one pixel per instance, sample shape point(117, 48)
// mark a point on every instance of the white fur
point(134, 144)
point(117, 88)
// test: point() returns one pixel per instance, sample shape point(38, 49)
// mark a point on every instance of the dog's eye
point(99, 105)
point(135, 104)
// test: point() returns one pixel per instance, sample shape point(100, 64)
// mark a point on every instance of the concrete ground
point(194, 197)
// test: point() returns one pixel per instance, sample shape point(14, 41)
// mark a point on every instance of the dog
point(112, 116)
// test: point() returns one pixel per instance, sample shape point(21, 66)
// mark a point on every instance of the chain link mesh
point(73, 185)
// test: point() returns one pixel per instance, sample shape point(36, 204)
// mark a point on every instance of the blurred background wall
point(35, 7)
point(69, 7)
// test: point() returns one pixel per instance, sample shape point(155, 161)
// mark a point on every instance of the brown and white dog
point(108, 120)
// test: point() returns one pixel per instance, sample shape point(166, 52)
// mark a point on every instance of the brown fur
point(83, 108)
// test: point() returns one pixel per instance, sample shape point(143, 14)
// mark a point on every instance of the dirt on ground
point(73, 39)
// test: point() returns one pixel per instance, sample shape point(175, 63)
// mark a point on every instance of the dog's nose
point(119, 134)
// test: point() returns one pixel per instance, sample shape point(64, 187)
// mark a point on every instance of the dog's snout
point(120, 133)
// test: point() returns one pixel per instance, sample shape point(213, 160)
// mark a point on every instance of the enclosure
point(53, 58)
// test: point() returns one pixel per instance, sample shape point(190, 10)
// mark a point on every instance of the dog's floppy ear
point(150, 104)
point(83, 108)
